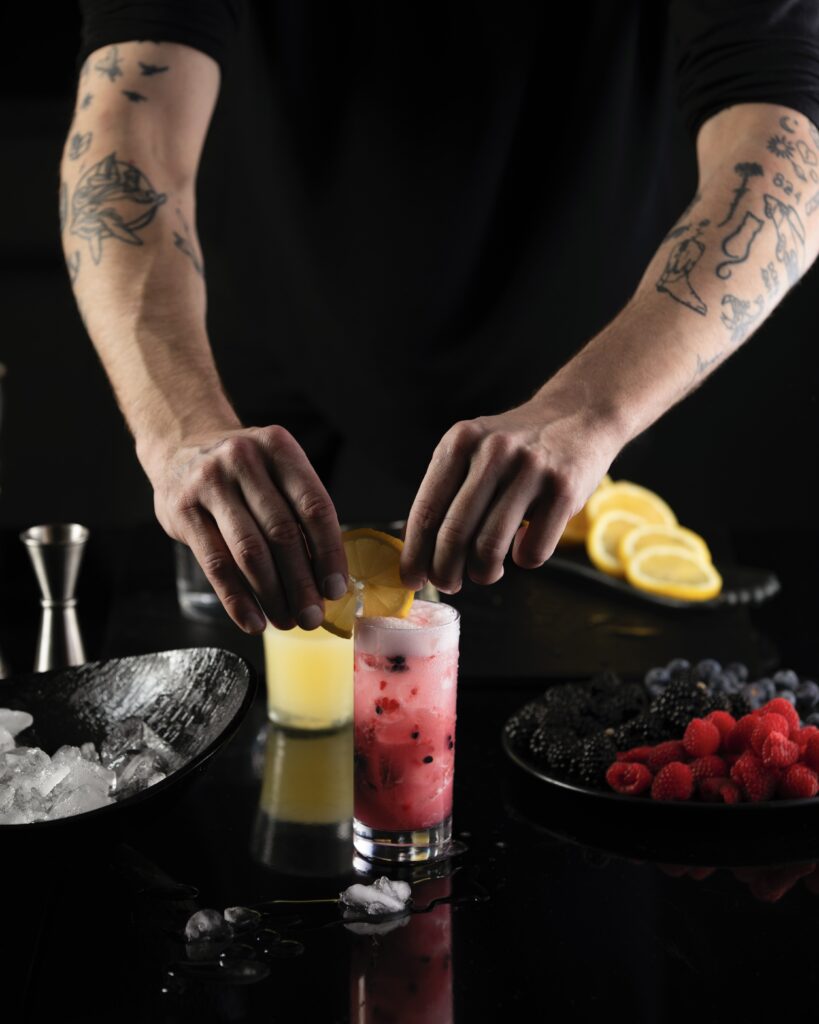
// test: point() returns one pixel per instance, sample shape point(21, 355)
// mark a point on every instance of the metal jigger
point(56, 552)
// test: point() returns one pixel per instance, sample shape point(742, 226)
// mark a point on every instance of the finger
point(491, 545)
point(460, 524)
point(203, 538)
point(312, 507)
point(547, 515)
point(442, 481)
point(251, 553)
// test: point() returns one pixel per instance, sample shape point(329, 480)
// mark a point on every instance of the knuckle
point(315, 507)
point(462, 436)
point(452, 530)
point(251, 552)
point(208, 475)
point(217, 567)
point(238, 448)
point(499, 445)
point(277, 437)
point(282, 532)
point(490, 547)
point(425, 514)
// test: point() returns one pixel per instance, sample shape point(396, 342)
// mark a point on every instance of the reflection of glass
point(309, 678)
point(406, 673)
point(303, 826)
point(405, 975)
point(197, 598)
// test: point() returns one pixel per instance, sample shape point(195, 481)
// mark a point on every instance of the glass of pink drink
point(405, 684)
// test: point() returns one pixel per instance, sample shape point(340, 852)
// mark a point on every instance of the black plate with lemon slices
point(621, 515)
point(742, 585)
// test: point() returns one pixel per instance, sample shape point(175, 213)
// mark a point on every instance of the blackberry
point(606, 683)
point(643, 728)
point(561, 755)
point(523, 723)
point(595, 756)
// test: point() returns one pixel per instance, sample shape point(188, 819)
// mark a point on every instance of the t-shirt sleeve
point(206, 25)
point(745, 51)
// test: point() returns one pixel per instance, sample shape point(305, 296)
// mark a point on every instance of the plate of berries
point(695, 734)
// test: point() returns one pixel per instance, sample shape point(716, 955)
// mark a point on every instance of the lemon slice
point(674, 572)
point(602, 543)
point(372, 562)
point(654, 534)
point(628, 497)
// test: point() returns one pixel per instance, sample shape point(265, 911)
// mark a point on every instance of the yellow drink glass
point(309, 678)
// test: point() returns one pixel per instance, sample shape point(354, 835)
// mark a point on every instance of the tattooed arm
point(747, 236)
point(243, 499)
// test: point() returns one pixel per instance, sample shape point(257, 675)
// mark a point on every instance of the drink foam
point(429, 628)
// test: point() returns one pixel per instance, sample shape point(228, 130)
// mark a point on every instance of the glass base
point(303, 723)
point(433, 843)
point(201, 606)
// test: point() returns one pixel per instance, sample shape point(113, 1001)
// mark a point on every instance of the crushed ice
point(384, 896)
point(36, 787)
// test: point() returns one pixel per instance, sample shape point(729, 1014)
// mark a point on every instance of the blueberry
point(786, 679)
point(657, 677)
point(678, 665)
point(655, 689)
point(767, 685)
point(788, 695)
point(707, 669)
point(807, 697)
point(812, 719)
point(739, 669)
point(724, 682)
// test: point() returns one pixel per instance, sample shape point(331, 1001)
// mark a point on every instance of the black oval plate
point(742, 585)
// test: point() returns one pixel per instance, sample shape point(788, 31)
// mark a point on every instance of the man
point(430, 176)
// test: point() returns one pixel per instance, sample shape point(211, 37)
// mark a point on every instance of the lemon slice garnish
point(372, 561)
point(672, 571)
point(602, 543)
point(628, 497)
point(655, 534)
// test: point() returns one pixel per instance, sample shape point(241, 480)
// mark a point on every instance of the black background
point(738, 453)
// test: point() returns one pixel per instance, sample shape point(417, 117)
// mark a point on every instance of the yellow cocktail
point(309, 678)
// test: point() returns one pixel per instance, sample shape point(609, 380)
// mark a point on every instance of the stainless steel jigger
point(56, 552)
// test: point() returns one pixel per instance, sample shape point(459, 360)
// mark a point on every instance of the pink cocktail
point(406, 673)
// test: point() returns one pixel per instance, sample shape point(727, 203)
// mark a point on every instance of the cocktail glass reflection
point(405, 682)
point(304, 822)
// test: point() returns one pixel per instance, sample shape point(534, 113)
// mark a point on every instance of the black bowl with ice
point(190, 701)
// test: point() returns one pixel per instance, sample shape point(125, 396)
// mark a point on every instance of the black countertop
point(553, 908)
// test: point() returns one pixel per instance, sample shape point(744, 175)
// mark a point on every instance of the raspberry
point(640, 754)
point(665, 753)
point(810, 755)
point(720, 791)
point(628, 777)
point(709, 767)
point(674, 781)
point(798, 782)
point(778, 751)
point(740, 738)
point(783, 707)
point(766, 725)
point(802, 738)
point(755, 780)
point(725, 722)
point(701, 738)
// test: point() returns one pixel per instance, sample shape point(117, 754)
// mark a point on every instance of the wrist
point(156, 442)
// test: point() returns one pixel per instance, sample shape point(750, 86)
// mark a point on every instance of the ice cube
point(51, 776)
point(134, 776)
point(127, 736)
point(207, 925)
point(66, 755)
point(6, 739)
point(84, 773)
point(78, 801)
point(14, 721)
point(89, 752)
point(242, 918)
point(31, 804)
point(384, 896)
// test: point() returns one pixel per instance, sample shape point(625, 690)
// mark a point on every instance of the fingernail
point(415, 582)
point(335, 586)
point(310, 618)
point(255, 622)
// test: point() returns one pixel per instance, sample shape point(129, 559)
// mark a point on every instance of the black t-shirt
point(414, 213)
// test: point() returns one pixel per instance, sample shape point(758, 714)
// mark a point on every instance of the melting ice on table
point(36, 787)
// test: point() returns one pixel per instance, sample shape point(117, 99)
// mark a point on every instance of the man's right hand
point(259, 521)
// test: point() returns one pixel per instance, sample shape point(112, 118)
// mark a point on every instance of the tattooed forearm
point(737, 245)
point(63, 205)
point(790, 235)
point(151, 69)
point(812, 204)
point(788, 124)
point(86, 101)
point(782, 147)
point(787, 187)
point(134, 97)
point(675, 278)
point(110, 66)
point(770, 279)
point(113, 199)
point(184, 244)
point(745, 171)
point(742, 317)
point(79, 144)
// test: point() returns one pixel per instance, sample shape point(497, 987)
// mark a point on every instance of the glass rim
point(383, 621)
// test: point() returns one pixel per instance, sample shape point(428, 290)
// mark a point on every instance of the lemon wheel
point(629, 497)
point(673, 571)
point(602, 543)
